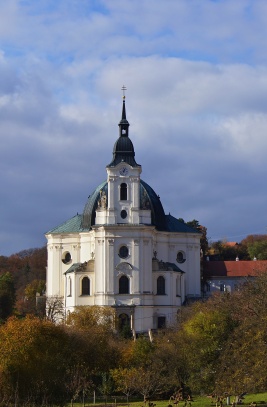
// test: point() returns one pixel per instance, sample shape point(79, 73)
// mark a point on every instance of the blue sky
point(196, 78)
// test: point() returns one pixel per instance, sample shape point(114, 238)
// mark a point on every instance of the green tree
point(205, 333)
point(140, 352)
point(170, 355)
point(258, 249)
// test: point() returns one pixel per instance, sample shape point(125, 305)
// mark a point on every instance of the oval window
point(123, 252)
point(66, 258)
point(180, 257)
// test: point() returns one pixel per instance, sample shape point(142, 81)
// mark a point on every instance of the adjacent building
point(227, 276)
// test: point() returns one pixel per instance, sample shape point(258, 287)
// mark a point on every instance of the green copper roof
point(73, 268)
point(72, 225)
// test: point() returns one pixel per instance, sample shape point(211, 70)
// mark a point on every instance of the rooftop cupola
point(123, 150)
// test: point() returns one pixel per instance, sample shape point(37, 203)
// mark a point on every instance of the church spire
point(123, 124)
point(123, 150)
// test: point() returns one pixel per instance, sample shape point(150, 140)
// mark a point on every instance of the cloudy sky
point(196, 78)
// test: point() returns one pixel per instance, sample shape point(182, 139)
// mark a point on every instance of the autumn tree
point(245, 352)
point(7, 295)
point(33, 301)
point(225, 252)
point(124, 380)
point(96, 325)
point(33, 362)
point(101, 319)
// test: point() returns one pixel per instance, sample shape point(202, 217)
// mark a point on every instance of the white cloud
point(196, 75)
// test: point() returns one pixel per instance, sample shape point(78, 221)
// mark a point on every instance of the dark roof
point(89, 212)
point(150, 200)
point(123, 150)
point(174, 225)
point(169, 266)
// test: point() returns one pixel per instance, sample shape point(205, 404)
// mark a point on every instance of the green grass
point(204, 401)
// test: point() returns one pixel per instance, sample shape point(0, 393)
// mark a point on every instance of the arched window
point(123, 192)
point(85, 286)
point(161, 285)
point(124, 285)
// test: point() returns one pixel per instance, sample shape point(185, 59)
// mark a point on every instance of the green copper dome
point(148, 200)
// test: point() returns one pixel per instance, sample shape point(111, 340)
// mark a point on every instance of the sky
point(196, 100)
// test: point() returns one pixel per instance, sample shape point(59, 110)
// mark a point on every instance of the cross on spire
point(123, 91)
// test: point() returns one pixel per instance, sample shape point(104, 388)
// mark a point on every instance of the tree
point(34, 362)
point(106, 386)
point(142, 351)
point(203, 230)
point(7, 295)
point(242, 363)
point(170, 355)
point(147, 381)
point(258, 250)
point(100, 319)
point(55, 309)
point(33, 301)
point(95, 324)
point(224, 252)
point(124, 380)
point(81, 365)
point(205, 333)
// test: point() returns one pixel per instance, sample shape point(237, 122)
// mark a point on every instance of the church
point(123, 251)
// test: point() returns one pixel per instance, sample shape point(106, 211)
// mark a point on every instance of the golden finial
point(123, 91)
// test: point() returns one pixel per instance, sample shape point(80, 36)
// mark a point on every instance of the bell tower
point(123, 177)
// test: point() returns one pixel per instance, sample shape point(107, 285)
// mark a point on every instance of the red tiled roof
point(230, 244)
point(234, 268)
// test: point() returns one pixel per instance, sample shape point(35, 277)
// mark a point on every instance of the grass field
point(198, 401)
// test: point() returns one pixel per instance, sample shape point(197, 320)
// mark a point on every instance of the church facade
point(123, 251)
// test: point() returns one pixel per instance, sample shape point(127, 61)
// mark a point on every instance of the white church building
point(123, 251)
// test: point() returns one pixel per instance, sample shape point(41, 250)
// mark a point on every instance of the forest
point(217, 346)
